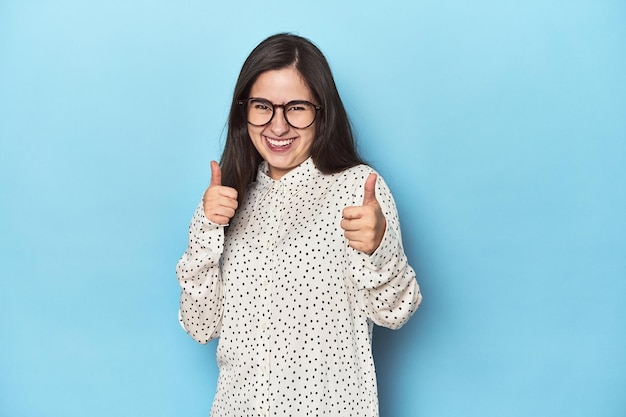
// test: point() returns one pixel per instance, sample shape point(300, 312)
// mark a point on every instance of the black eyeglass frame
point(274, 106)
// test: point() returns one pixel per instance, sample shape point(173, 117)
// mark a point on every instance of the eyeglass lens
point(299, 114)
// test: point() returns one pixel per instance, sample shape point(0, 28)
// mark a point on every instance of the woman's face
point(281, 145)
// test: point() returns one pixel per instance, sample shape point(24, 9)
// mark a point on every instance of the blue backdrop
point(499, 125)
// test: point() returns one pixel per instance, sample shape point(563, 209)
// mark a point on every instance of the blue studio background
point(499, 125)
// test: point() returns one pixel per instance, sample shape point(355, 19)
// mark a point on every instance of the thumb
point(216, 174)
point(369, 192)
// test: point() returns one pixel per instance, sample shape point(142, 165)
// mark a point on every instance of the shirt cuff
point(385, 251)
point(201, 224)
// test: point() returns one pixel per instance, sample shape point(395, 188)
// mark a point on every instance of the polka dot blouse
point(292, 304)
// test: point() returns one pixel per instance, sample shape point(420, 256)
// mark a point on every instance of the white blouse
point(291, 302)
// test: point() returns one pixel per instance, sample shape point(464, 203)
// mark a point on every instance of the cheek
point(255, 138)
point(311, 137)
point(254, 132)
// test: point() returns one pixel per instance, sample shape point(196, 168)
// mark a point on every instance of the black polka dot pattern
point(292, 304)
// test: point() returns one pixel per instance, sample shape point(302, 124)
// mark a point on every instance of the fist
point(219, 201)
point(364, 225)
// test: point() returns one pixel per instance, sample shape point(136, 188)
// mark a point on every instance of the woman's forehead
point(280, 86)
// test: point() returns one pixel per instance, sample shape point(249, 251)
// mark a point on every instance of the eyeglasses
point(299, 114)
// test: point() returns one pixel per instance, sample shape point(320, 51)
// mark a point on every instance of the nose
point(278, 124)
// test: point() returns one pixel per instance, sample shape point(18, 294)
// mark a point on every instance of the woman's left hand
point(364, 226)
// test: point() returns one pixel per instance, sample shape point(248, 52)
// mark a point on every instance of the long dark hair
point(333, 149)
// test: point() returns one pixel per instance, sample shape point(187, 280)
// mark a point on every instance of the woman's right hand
point(219, 201)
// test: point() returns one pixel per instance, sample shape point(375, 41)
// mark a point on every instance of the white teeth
point(281, 143)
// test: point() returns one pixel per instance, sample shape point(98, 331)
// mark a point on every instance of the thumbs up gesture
point(364, 226)
point(219, 201)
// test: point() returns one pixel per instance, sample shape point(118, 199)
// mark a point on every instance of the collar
point(291, 182)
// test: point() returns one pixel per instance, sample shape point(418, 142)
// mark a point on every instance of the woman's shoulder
point(357, 171)
point(355, 176)
point(351, 178)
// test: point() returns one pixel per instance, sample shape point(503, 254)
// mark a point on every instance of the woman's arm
point(199, 277)
point(387, 283)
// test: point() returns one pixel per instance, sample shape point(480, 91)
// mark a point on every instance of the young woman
point(295, 250)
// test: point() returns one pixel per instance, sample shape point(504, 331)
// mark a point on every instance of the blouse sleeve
point(199, 277)
point(389, 290)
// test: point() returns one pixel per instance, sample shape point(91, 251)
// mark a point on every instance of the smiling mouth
point(279, 143)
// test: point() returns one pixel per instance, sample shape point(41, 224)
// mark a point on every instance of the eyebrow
point(277, 104)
